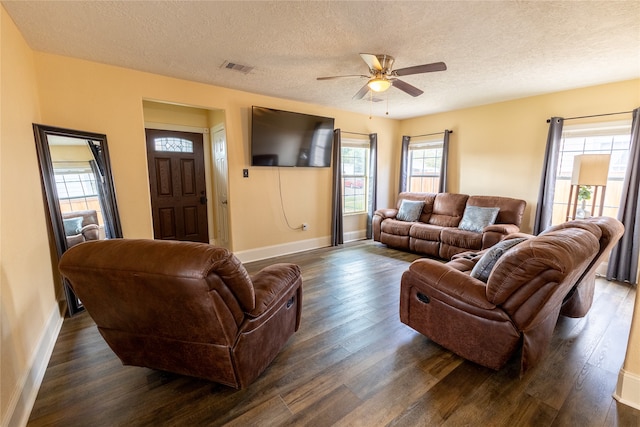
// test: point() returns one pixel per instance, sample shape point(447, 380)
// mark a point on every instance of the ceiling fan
point(382, 75)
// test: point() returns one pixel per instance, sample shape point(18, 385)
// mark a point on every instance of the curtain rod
point(431, 134)
point(595, 115)
point(355, 133)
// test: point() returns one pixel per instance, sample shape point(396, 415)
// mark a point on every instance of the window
point(179, 145)
point(355, 176)
point(425, 160)
point(76, 186)
point(596, 138)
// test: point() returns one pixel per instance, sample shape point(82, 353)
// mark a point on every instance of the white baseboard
point(283, 249)
point(352, 236)
point(628, 389)
point(293, 247)
point(24, 396)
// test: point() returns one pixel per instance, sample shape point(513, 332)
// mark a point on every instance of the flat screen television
point(284, 138)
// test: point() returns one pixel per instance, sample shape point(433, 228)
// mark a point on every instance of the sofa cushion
point(410, 210)
point(395, 227)
point(483, 267)
point(511, 210)
point(465, 240)
point(448, 209)
point(476, 218)
point(427, 198)
point(425, 231)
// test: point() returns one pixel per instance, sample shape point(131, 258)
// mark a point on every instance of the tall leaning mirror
point(79, 191)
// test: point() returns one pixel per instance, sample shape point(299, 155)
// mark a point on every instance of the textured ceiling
point(495, 51)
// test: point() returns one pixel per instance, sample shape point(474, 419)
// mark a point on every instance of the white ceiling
point(494, 50)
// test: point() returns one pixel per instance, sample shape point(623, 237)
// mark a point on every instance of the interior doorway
point(221, 181)
point(177, 185)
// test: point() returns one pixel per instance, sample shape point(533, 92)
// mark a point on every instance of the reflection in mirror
point(78, 185)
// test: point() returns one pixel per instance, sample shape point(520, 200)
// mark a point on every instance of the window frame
point(612, 133)
point(425, 145)
point(366, 177)
point(76, 200)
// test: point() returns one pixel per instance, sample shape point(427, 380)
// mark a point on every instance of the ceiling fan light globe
point(379, 85)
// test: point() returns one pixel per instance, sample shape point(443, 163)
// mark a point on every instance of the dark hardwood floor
point(353, 363)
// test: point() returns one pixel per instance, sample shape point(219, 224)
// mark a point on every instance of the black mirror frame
point(41, 133)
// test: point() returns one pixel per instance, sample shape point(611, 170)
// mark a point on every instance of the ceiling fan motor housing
point(386, 64)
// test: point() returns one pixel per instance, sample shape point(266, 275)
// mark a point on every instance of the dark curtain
point(404, 163)
point(97, 166)
point(373, 179)
point(103, 199)
point(445, 160)
point(96, 150)
point(544, 210)
point(337, 231)
point(623, 261)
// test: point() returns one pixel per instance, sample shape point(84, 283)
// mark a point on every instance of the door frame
point(206, 142)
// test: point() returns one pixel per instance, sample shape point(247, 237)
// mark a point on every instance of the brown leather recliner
point(578, 301)
point(519, 304)
point(183, 307)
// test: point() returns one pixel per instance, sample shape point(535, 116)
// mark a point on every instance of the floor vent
point(236, 67)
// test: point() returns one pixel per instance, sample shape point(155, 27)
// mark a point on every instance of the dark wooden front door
point(177, 181)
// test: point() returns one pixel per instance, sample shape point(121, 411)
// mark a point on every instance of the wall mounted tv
point(284, 138)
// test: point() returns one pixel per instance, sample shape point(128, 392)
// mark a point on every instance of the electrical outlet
point(305, 226)
point(245, 173)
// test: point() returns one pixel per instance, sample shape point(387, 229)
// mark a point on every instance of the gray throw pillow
point(72, 226)
point(410, 210)
point(476, 218)
point(483, 267)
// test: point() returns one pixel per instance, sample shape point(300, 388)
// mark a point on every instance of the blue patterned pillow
point(410, 210)
point(483, 267)
point(476, 218)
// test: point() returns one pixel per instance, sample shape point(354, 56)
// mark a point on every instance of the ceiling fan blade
point(406, 87)
point(362, 92)
point(372, 61)
point(419, 69)
point(340, 77)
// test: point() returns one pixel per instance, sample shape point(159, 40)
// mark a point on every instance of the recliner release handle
point(424, 298)
point(290, 302)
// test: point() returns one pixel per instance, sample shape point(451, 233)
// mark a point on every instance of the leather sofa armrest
point(465, 261)
point(452, 282)
point(492, 234)
point(386, 213)
point(502, 228)
point(272, 284)
point(74, 240)
point(91, 232)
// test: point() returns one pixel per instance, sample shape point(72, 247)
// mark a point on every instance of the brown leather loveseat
point(183, 307)
point(80, 226)
point(485, 306)
point(445, 224)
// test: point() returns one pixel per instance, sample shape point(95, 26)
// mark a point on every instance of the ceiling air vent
point(236, 67)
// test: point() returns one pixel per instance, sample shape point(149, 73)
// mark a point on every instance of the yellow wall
point(170, 114)
point(498, 149)
point(70, 153)
point(94, 97)
point(27, 294)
